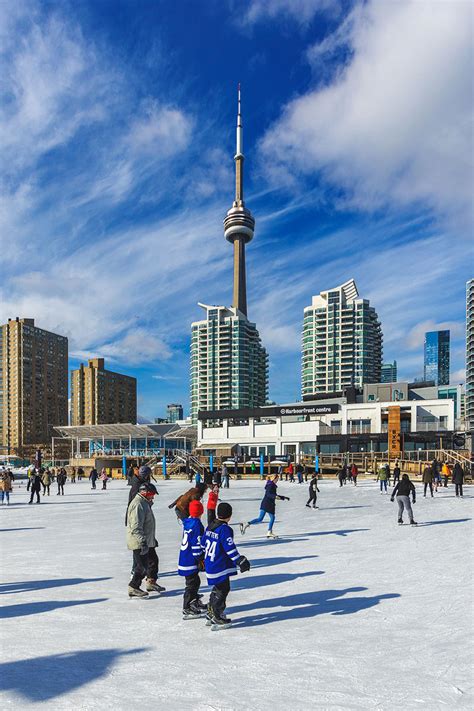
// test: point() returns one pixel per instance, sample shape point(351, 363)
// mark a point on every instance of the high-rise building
point(101, 397)
point(229, 365)
point(389, 372)
point(341, 341)
point(33, 384)
point(469, 400)
point(174, 412)
point(436, 352)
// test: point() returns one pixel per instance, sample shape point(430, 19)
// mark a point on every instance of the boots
point(136, 592)
point(152, 586)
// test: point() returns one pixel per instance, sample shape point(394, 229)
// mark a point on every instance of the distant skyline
point(117, 136)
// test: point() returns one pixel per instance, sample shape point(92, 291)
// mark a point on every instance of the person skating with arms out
point(267, 507)
point(221, 559)
point(402, 491)
point(191, 561)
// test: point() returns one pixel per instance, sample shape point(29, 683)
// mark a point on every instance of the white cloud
point(458, 377)
point(302, 11)
point(416, 335)
point(394, 126)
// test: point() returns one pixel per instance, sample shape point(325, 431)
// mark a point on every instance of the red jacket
point(212, 500)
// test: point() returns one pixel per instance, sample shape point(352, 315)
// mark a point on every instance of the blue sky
point(117, 135)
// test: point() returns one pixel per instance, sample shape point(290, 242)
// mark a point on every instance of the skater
point(402, 492)
point(354, 474)
point(181, 504)
point(305, 472)
point(387, 471)
point(212, 500)
point(382, 477)
point(93, 477)
point(396, 474)
point(61, 480)
point(225, 477)
point(104, 478)
point(73, 475)
point(197, 478)
point(46, 482)
point(191, 561)
point(141, 540)
point(221, 559)
point(342, 476)
point(80, 473)
point(217, 478)
point(291, 473)
point(6, 479)
point(267, 507)
point(253, 468)
point(299, 473)
point(35, 487)
point(458, 479)
point(313, 492)
point(428, 480)
point(446, 473)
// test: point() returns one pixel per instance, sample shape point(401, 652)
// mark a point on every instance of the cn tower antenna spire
point(240, 137)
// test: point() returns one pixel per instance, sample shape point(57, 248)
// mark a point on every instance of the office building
point(469, 400)
point(174, 412)
point(33, 384)
point(341, 342)
point(229, 365)
point(389, 372)
point(436, 351)
point(101, 396)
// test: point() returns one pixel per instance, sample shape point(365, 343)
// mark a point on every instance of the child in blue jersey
point(221, 559)
point(191, 560)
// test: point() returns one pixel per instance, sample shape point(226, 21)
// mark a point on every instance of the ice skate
point(220, 623)
point(413, 523)
point(136, 592)
point(198, 605)
point(308, 506)
point(190, 614)
point(400, 521)
point(243, 527)
point(152, 586)
point(270, 534)
point(209, 616)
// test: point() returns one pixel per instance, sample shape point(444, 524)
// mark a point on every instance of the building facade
point(101, 396)
point(389, 372)
point(174, 412)
point(436, 354)
point(33, 384)
point(229, 365)
point(341, 342)
point(469, 402)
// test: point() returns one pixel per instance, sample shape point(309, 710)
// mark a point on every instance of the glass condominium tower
point(470, 355)
point(341, 342)
point(229, 365)
point(437, 357)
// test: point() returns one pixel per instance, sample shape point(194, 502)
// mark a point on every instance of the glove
point(243, 564)
point(392, 499)
point(171, 506)
point(144, 550)
point(285, 498)
point(414, 500)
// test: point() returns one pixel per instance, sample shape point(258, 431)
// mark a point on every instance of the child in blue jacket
point(191, 561)
point(221, 559)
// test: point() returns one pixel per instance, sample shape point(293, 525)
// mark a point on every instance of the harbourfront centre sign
point(261, 412)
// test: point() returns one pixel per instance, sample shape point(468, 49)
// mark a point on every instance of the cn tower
point(239, 223)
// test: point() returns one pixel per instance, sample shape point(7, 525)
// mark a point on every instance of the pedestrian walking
point(267, 506)
point(402, 491)
point(212, 503)
point(61, 480)
point(35, 487)
point(313, 492)
point(221, 559)
point(458, 479)
point(191, 561)
point(141, 540)
point(6, 480)
point(46, 482)
point(93, 477)
point(427, 480)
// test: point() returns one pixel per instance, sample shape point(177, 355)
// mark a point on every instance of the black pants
point(93, 483)
point(396, 478)
point(33, 492)
point(144, 565)
point(104, 485)
point(211, 516)
point(428, 484)
point(312, 498)
point(458, 488)
point(46, 489)
point(445, 481)
point(193, 583)
point(60, 489)
point(218, 597)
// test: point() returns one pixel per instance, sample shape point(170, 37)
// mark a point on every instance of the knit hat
point(224, 510)
point(144, 472)
point(196, 509)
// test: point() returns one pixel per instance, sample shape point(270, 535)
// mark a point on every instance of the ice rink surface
point(347, 610)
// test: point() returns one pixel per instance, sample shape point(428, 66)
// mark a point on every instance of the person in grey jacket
point(142, 542)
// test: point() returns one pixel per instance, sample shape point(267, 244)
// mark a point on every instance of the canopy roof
point(117, 431)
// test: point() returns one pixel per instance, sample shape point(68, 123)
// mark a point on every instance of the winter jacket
point(220, 553)
point(458, 474)
point(140, 524)
point(403, 488)
point(61, 477)
point(268, 501)
point(46, 479)
point(427, 475)
point(396, 472)
point(446, 470)
point(35, 483)
point(93, 475)
point(191, 551)
point(313, 485)
point(6, 479)
point(383, 474)
point(182, 502)
point(212, 501)
point(354, 470)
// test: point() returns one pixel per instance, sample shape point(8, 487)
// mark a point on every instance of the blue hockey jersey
point(220, 553)
point(191, 546)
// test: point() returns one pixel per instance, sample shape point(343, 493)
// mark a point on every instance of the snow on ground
point(347, 610)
